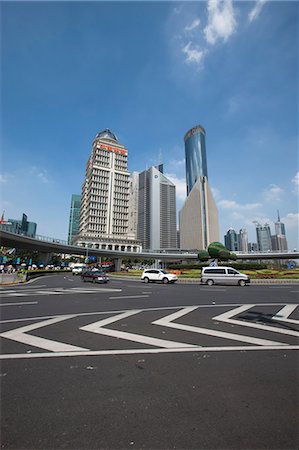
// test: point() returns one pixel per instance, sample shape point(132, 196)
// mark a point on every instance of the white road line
point(213, 289)
point(150, 351)
point(284, 313)
point(19, 335)
point(17, 294)
point(128, 296)
point(19, 303)
point(97, 327)
point(226, 317)
point(167, 322)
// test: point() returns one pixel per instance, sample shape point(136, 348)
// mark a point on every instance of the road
point(129, 365)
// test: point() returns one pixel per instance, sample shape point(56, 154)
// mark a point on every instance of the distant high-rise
point(20, 226)
point(199, 215)
point(105, 197)
point(280, 240)
point(133, 205)
point(231, 240)
point(156, 210)
point(74, 220)
point(243, 240)
point(263, 234)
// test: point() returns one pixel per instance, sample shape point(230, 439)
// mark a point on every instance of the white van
point(78, 268)
point(223, 275)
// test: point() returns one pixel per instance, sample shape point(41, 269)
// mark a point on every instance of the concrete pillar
point(157, 264)
point(44, 258)
point(117, 264)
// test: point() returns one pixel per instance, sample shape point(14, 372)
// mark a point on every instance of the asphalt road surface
point(129, 365)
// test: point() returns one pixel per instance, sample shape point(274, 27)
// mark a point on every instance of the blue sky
point(150, 71)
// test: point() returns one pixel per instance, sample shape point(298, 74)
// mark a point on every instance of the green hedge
point(237, 266)
point(40, 272)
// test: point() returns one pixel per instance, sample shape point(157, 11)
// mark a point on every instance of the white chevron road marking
point(167, 322)
point(227, 318)
point(284, 313)
point(97, 327)
point(19, 335)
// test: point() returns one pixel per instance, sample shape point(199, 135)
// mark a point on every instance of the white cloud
point(291, 220)
point(273, 193)
point(3, 178)
point(256, 10)
point(193, 54)
point(221, 21)
point(193, 25)
point(231, 204)
point(237, 216)
point(41, 174)
point(216, 193)
point(295, 180)
point(180, 184)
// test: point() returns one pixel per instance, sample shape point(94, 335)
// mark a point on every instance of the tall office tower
point(231, 241)
point(263, 235)
point(243, 240)
point(74, 221)
point(105, 197)
point(133, 204)
point(156, 210)
point(199, 224)
point(281, 240)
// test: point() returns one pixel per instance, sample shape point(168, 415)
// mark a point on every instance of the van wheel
point(146, 280)
point(165, 280)
point(210, 282)
point(242, 283)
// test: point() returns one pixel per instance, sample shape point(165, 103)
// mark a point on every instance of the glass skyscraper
point(74, 222)
point(199, 216)
point(195, 154)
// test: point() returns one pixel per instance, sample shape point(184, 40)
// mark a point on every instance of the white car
point(158, 275)
point(78, 268)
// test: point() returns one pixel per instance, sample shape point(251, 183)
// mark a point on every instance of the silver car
point(223, 275)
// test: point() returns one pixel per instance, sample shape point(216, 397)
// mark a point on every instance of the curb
point(196, 281)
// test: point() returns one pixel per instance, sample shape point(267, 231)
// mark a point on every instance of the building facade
point(199, 225)
point(104, 216)
point(243, 240)
point(156, 210)
point(231, 240)
point(263, 235)
point(133, 205)
point(280, 241)
point(74, 220)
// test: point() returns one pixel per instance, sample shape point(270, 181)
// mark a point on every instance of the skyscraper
point(243, 240)
point(156, 210)
point(280, 240)
point(199, 215)
point(133, 204)
point(74, 221)
point(263, 235)
point(105, 196)
point(231, 241)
